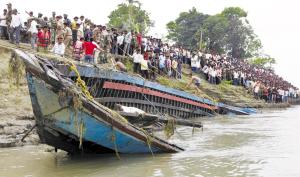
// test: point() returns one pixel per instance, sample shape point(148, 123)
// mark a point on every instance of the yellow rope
point(170, 127)
point(79, 82)
point(113, 138)
point(148, 139)
point(81, 135)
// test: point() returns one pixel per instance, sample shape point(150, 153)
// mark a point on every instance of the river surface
point(265, 144)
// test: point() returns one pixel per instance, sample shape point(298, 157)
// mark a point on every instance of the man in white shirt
point(59, 47)
point(82, 23)
point(137, 59)
point(127, 41)
point(162, 63)
point(120, 41)
point(33, 32)
point(205, 71)
point(242, 76)
point(208, 56)
point(213, 76)
point(194, 60)
point(15, 25)
point(235, 78)
point(3, 25)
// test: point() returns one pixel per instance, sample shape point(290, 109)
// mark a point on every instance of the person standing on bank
point(8, 18)
point(89, 47)
point(67, 35)
point(53, 26)
point(127, 41)
point(137, 58)
point(3, 26)
point(33, 32)
point(15, 25)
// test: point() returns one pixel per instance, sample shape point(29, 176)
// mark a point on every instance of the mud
point(16, 116)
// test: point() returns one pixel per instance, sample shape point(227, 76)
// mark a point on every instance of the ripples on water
point(264, 144)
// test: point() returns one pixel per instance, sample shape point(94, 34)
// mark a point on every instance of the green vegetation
point(130, 16)
point(264, 61)
point(226, 32)
point(224, 92)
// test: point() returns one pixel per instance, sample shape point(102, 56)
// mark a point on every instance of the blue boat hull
point(81, 124)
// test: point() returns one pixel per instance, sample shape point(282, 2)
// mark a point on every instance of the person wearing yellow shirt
point(74, 29)
point(144, 68)
point(174, 68)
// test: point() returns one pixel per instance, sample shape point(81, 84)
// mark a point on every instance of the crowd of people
point(262, 81)
point(92, 43)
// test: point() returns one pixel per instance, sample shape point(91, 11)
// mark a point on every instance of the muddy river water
point(265, 144)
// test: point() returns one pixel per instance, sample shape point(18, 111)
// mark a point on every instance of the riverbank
point(16, 116)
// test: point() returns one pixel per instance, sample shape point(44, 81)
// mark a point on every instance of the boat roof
point(96, 72)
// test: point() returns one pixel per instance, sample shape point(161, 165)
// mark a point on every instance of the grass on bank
point(224, 92)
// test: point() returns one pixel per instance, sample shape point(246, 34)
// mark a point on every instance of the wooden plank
point(118, 86)
point(114, 75)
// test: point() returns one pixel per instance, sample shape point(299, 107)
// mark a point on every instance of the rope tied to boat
point(113, 139)
point(81, 134)
point(148, 140)
point(79, 82)
point(170, 127)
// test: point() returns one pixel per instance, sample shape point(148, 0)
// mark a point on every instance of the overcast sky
point(276, 22)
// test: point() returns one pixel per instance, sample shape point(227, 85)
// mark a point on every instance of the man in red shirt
point(139, 39)
point(89, 48)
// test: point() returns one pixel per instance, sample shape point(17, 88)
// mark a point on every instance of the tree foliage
point(227, 32)
point(184, 28)
point(214, 30)
point(130, 16)
point(263, 61)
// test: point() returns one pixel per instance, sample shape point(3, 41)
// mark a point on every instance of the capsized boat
point(111, 87)
point(68, 118)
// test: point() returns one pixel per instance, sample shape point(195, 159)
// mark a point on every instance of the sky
point(276, 22)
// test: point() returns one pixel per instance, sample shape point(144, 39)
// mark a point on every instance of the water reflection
point(258, 145)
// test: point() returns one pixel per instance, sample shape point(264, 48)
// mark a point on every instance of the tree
point(228, 32)
point(214, 29)
point(130, 16)
point(231, 12)
point(263, 61)
point(241, 40)
point(184, 30)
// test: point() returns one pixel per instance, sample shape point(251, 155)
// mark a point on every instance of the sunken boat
point(68, 118)
point(111, 87)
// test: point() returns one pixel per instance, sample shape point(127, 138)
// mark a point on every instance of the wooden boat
point(68, 119)
point(111, 87)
